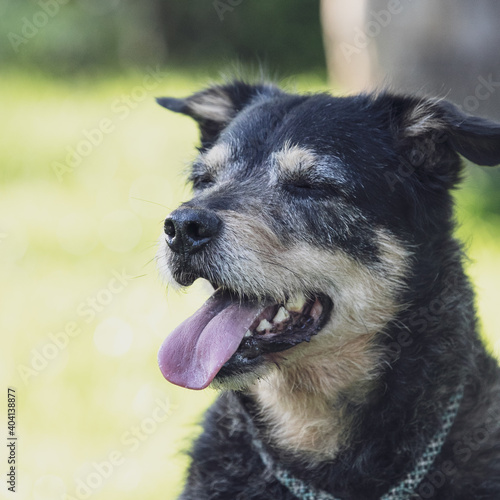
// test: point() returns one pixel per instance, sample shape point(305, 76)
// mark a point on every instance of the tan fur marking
point(295, 159)
point(299, 403)
point(297, 400)
point(213, 105)
point(216, 158)
point(422, 119)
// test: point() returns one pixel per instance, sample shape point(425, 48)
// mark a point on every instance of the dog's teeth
point(296, 303)
point(281, 315)
point(316, 310)
point(248, 333)
point(264, 325)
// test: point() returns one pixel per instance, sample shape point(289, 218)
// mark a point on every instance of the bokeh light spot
point(76, 233)
point(129, 475)
point(113, 336)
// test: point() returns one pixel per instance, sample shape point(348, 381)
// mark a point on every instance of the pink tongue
point(195, 351)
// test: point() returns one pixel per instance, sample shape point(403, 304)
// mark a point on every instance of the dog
point(341, 332)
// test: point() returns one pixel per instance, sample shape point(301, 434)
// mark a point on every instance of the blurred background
point(90, 166)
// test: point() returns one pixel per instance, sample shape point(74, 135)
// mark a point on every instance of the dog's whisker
point(150, 201)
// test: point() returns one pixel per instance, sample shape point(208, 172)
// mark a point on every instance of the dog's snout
point(189, 229)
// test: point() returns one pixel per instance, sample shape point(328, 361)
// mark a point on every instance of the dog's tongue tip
point(195, 351)
point(178, 376)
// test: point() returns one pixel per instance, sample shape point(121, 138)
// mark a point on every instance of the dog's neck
point(303, 406)
point(404, 489)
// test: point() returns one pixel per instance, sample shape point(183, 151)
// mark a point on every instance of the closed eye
point(301, 187)
point(306, 188)
point(202, 181)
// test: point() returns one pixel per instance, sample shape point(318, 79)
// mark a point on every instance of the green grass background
point(88, 410)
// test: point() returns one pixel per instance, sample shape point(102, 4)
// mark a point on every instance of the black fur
point(392, 163)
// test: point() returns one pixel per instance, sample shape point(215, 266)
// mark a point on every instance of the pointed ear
point(215, 107)
point(477, 139)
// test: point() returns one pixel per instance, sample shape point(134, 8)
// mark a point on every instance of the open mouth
point(230, 334)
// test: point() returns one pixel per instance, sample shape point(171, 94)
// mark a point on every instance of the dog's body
point(343, 327)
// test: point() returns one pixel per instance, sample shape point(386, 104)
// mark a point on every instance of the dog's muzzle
point(233, 332)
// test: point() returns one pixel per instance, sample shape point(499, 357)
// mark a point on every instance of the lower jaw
point(238, 366)
point(240, 380)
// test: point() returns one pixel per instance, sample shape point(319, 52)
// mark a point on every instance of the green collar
point(404, 490)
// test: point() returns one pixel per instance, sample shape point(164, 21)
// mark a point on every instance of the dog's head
point(306, 213)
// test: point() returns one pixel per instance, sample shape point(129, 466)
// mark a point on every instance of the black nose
point(190, 229)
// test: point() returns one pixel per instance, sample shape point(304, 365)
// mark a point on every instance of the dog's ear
point(429, 133)
point(477, 139)
point(215, 107)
